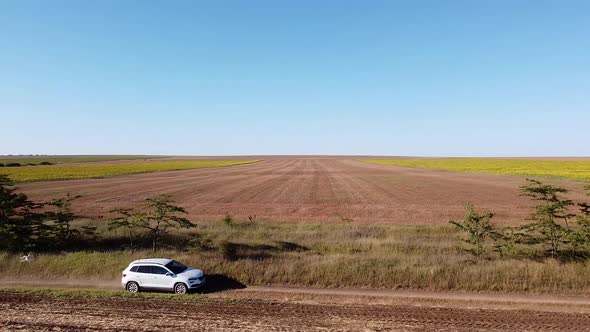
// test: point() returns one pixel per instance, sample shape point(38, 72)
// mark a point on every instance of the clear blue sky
point(434, 78)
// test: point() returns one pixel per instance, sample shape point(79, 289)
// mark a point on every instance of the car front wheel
point(180, 288)
point(132, 287)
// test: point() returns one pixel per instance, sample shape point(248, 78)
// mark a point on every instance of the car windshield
point(176, 267)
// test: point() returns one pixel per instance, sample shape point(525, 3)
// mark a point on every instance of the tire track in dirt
point(259, 189)
point(322, 194)
point(267, 195)
point(43, 312)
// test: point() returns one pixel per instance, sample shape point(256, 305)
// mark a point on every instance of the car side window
point(134, 269)
point(159, 270)
point(144, 269)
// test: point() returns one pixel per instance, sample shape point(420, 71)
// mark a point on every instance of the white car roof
point(159, 261)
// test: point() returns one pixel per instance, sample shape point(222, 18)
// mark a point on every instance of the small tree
point(161, 215)
point(23, 227)
point(158, 214)
point(477, 228)
point(228, 220)
point(585, 207)
point(582, 235)
point(18, 223)
point(547, 215)
point(127, 219)
point(60, 220)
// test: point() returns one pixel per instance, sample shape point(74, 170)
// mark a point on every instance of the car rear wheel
point(132, 287)
point(180, 288)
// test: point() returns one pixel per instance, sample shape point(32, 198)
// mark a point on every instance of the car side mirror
point(169, 274)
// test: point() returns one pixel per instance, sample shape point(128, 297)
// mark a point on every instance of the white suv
point(161, 274)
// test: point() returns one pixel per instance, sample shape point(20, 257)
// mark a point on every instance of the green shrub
point(478, 228)
point(228, 219)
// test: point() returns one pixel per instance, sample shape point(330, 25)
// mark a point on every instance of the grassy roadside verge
point(571, 169)
point(321, 255)
point(89, 171)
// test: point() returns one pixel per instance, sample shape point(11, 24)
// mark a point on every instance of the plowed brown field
point(308, 190)
point(27, 312)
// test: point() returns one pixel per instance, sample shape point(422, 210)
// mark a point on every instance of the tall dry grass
point(335, 255)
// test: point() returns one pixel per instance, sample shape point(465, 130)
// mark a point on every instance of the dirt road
point(347, 295)
point(306, 190)
point(30, 312)
point(292, 309)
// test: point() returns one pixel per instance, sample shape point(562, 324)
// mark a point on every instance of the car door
point(144, 274)
point(160, 279)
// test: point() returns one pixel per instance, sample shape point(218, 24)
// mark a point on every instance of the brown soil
point(42, 312)
point(308, 189)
